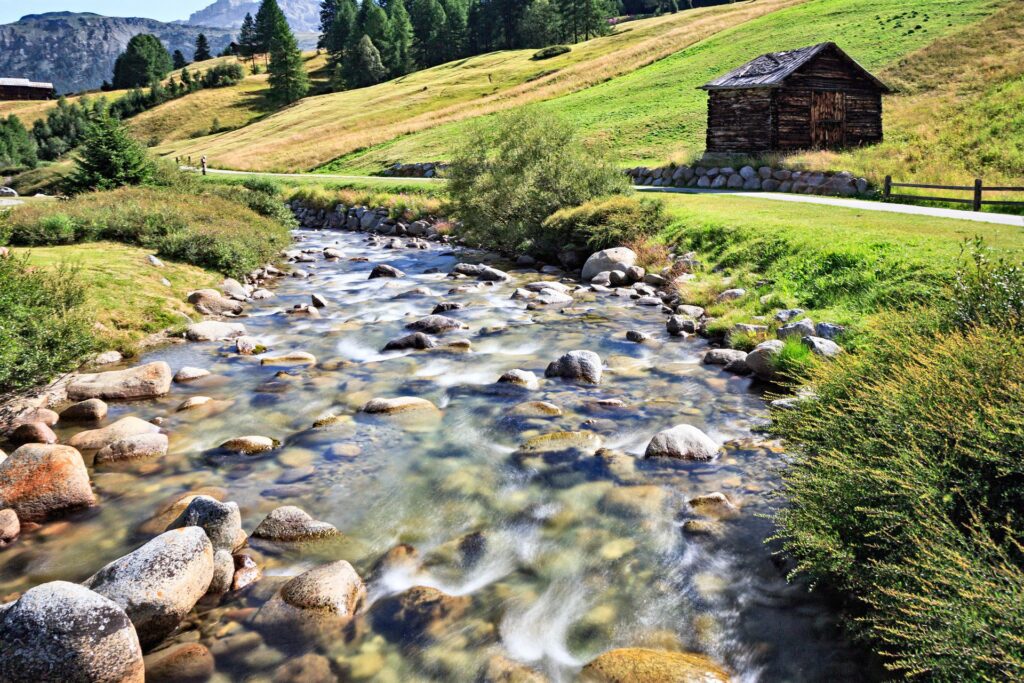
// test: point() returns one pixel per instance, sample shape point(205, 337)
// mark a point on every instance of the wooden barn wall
point(828, 71)
point(793, 119)
point(863, 117)
point(739, 121)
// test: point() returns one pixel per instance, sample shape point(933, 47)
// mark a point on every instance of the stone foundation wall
point(427, 169)
point(748, 178)
point(363, 219)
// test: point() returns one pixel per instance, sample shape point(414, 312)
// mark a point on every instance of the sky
point(164, 10)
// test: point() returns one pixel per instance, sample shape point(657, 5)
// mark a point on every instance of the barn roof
point(25, 83)
point(772, 69)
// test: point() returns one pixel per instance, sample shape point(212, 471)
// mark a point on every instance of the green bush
point(602, 223)
point(110, 158)
point(41, 332)
point(508, 178)
point(55, 229)
point(550, 51)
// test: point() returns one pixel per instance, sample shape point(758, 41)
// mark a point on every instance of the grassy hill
point(319, 129)
point(656, 113)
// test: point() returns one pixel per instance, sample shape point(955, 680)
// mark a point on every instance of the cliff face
point(77, 51)
point(303, 15)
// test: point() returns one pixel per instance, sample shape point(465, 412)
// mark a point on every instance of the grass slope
point(656, 112)
point(318, 129)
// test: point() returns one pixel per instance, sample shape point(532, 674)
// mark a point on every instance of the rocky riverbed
point(394, 467)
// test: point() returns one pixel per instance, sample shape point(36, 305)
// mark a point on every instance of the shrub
point(41, 332)
point(110, 158)
point(603, 223)
point(550, 51)
point(989, 291)
point(508, 178)
point(222, 75)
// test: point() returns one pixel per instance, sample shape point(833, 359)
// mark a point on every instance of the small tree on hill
point(109, 158)
point(269, 18)
point(17, 146)
point(202, 49)
point(287, 70)
point(179, 60)
point(363, 65)
point(143, 61)
point(247, 41)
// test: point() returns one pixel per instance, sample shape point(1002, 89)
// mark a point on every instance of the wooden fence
point(977, 201)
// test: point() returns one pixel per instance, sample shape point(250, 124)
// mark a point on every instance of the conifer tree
point(109, 158)
point(143, 61)
point(400, 38)
point(178, 60)
point(363, 66)
point(268, 18)
point(287, 70)
point(202, 52)
point(373, 22)
point(247, 41)
point(428, 24)
point(328, 10)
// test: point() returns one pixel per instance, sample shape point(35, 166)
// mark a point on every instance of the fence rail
point(976, 202)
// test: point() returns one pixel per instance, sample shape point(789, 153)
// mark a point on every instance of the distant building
point(816, 97)
point(24, 89)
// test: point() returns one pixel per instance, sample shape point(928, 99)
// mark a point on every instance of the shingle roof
point(770, 70)
point(25, 83)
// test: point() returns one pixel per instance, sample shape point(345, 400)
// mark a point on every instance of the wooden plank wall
point(739, 121)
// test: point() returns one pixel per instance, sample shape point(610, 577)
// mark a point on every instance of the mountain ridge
point(303, 15)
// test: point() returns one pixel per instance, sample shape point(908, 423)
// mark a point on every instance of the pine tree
point(17, 146)
point(373, 22)
point(454, 35)
point(328, 10)
point(400, 38)
point(287, 70)
point(143, 61)
point(247, 43)
point(341, 33)
point(202, 52)
point(110, 158)
point(363, 66)
point(428, 24)
point(268, 19)
point(178, 60)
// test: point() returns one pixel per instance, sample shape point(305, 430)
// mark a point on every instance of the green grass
point(656, 112)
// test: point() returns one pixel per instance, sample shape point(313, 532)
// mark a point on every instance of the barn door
point(828, 120)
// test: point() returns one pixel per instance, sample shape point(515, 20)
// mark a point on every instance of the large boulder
point(89, 410)
point(684, 442)
point(41, 482)
point(761, 360)
point(435, 324)
point(581, 366)
point(144, 381)
point(213, 330)
point(384, 270)
point(416, 340)
point(126, 427)
point(160, 583)
point(133, 448)
point(633, 664)
point(212, 302)
point(616, 258)
point(317, 602)
point(222, 522)
point(289, 523)
point(61, 631)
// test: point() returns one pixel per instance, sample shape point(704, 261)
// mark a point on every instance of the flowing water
point(558, 569)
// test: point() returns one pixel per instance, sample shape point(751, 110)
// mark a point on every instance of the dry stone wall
point(748, 178)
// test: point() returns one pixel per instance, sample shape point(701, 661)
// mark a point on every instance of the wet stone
point(289, 523)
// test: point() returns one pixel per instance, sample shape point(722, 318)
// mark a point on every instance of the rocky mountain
point(76, 51)
point(303, 15)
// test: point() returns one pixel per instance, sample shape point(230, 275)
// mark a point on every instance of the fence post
point(887, 188)
point(977, 194)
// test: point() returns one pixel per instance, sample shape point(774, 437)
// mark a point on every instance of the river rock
point(678, 325)
point(501, 669)
point(581, 366)
point(384, 270)
point(289, 523)
point(143, 381)
point(10, 527)
point(695, 312)
point(41, 482)
point(213, 330)
point(400, 404)
point(193, 402)
point(731, 295)
point(522, 378)
point(41, 415)
point(416, 340)
point(725, 356)
point(158, 584)
point(189, 373)
point(247, 572)
point(616, 258)
point(107, 358)
point(223, 572)
point(261, 294)
point(645, 500)
point(829, 330)
point(335, 588)
point(249, 445)
point(133, 448)
point(90, 410)
point(761, 359)
point(233, 289)
point(801, 328)
point(95, 439)
point(435, 324)
point(535, 409)
point(211, 302)
point(222, 522)
point(715, 505)
point(289, 359)
point(180, 663)
point(684, 442)
point(820, 346)
point(418, 614)
point(629, 665)
point(61, 631)
point(31, 432)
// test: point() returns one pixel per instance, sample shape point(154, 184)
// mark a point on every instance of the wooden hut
point(24, 89)
point(816, 97)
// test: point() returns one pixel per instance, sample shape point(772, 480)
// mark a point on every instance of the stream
point(562, 555)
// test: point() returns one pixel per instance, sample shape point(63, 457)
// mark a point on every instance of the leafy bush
point(201, 228)
point(41, 333)
point(508, 178)
point(17, 147)
point(990, 291)
point(223, 75)
point(550, 51)
point(602, 223)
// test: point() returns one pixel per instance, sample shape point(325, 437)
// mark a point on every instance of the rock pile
point(361, 218)
point(748, 178)
point(426, 169)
